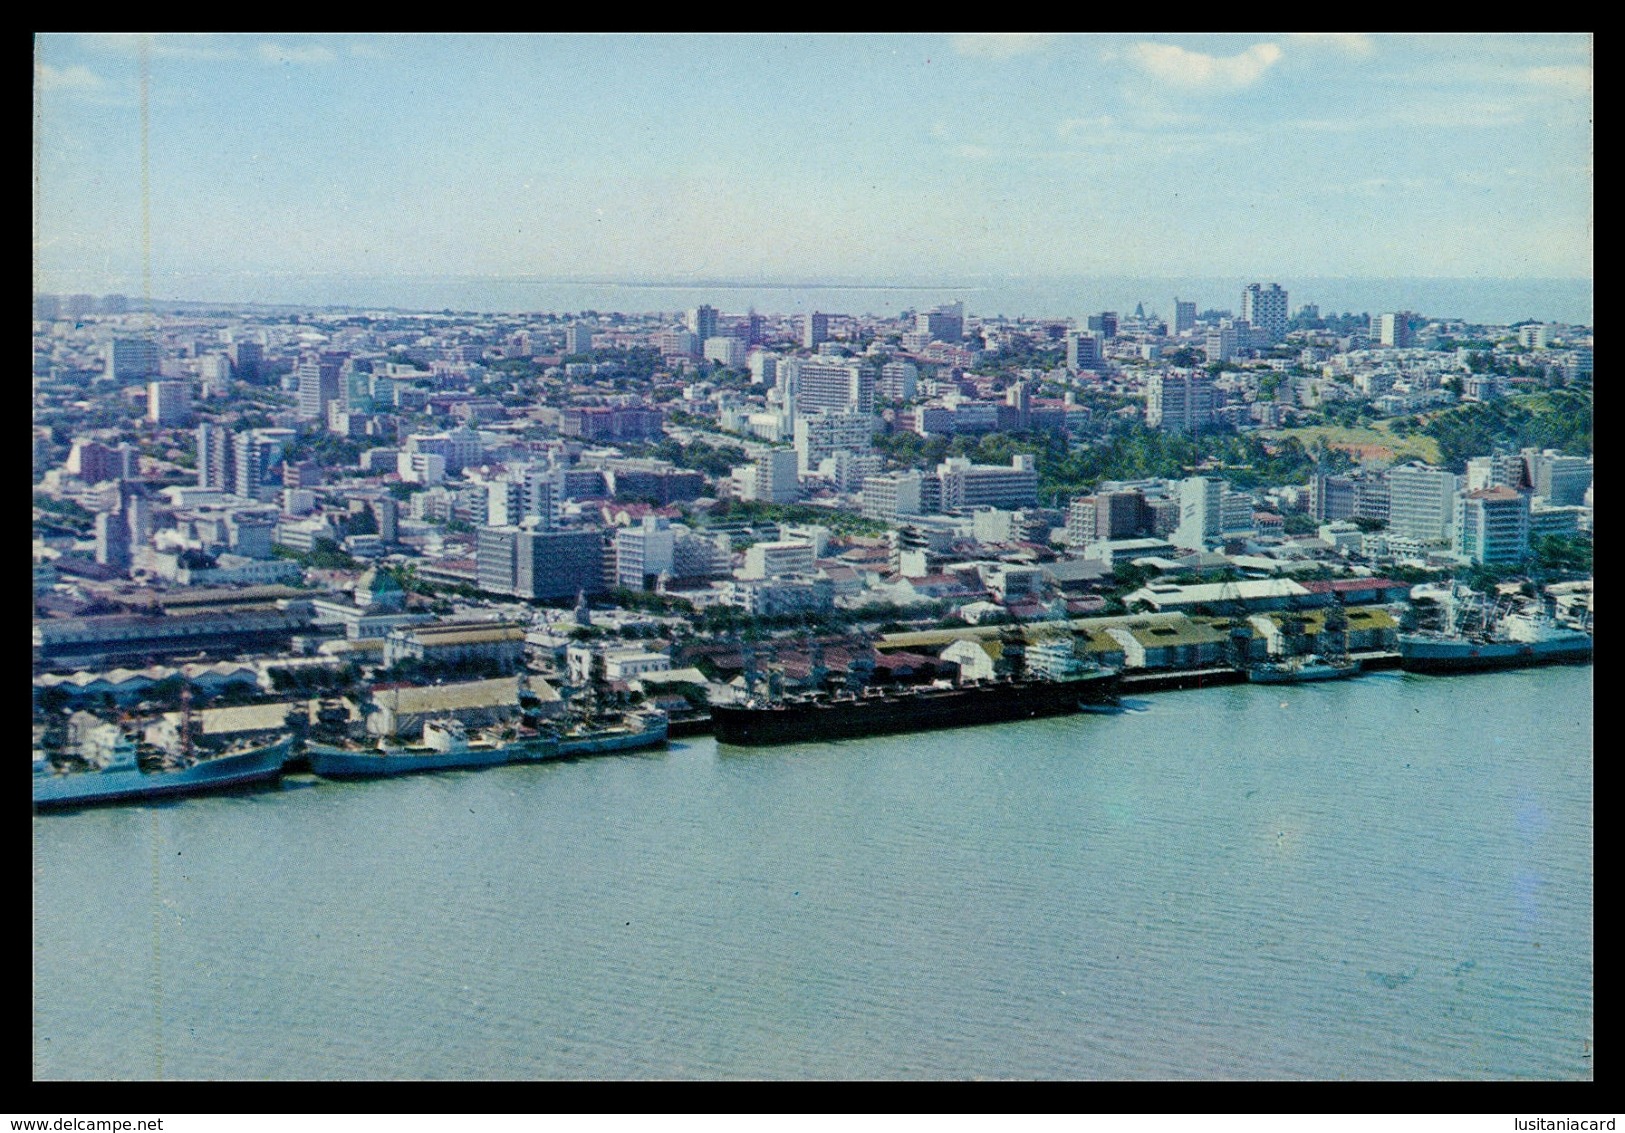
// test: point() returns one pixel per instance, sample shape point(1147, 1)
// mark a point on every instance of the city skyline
point(683, 157)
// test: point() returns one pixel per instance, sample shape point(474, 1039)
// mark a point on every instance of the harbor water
point(1382, 878)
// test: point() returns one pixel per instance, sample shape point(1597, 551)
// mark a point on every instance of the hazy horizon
point(810, 157)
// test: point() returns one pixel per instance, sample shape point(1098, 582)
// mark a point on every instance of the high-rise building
point(898, 381)
point(559, 564)
point(1559, 479)
point(138, 511)
point(941, 324)
point(247, 357)
point(92, 462)
point(821, 435)
point(578, 339)
point(1082, 351)
point(1184, 315)
point(1180, 401)
point(131, 359)
point(251, 466)
point(833, 384)
point(764, 368)
point(702, 321)
point(112, 539)
point(1495, 471)
point(1265, 308)
point(892, 494)
point(214, 458)
point(815, 329)
point(496, 558)
point(319, 383)
point(772, 477)
point(1201, 511)
point(1394, 328)
point(169, 403)
point(1119, 515)
point(679, 344)
point(355, 393)
point(1492, 525)
point(725, 350)
point(1104, 324)
point(1221, 343)
point(966, 486)
point(644, 552)
point(1331, 497)
point(1422, 502)
point(1082, 517)
point(387, 511)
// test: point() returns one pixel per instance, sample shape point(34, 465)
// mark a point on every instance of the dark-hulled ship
point(875, 711)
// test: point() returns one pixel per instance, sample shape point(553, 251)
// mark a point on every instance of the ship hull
point(86, 788)
point(1419, 655)
point(372, 763)
point(612, 740)
point(926, 710)
point(1301, 674)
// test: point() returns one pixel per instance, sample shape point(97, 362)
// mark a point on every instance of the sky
point(809, 157)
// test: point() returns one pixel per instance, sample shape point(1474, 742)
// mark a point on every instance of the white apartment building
point(421, 467)
point(893, 494)
point(644, 552)
point(770, 478)
point(726, 351)
point(1180, 401)
point(966, 485)
point(1492, 525)
point(814, 384)
point(770, 560)
point(1422, 503)
point(1266, 309)
point(821, 435)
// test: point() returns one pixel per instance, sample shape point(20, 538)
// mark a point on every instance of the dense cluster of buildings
point(286, 466)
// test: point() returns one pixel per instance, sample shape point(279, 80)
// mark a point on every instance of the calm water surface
point(1382, 878)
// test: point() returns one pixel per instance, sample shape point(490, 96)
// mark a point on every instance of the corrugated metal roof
point(243, 718)
point(499, 692)
point(462, 636)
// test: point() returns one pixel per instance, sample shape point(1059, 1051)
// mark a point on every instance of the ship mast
point(186, 723)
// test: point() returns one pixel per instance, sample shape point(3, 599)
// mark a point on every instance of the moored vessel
point(875, 711)
point(122, 777)
point(1511, 640)
point(446, 746)
point(629, 732)
point(1296, 670)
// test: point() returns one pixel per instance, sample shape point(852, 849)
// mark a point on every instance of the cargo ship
point(1513, 641)
point(631, 732)
point(446, 746)
point(123, 778)
point(879, 711)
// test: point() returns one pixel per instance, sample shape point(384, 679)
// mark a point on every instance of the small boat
point(1296, 670)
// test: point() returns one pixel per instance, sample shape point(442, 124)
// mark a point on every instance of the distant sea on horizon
point(1477, 300)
